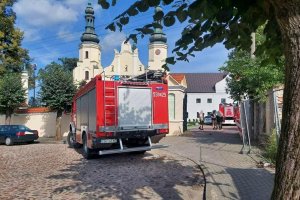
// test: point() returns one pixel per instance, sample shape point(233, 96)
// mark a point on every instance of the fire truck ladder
point(109, 93)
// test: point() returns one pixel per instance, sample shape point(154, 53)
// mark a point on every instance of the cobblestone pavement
point(231, 175)
point(53, 171)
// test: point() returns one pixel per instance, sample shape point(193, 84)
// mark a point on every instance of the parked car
point(207, 120)
point(10, 134)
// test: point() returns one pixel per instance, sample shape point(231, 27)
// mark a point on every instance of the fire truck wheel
point(71, 141)
point(87, 152)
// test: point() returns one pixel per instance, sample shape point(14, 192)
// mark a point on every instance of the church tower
point(89, 63)
point(158, 47)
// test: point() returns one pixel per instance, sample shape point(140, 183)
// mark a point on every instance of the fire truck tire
point(71, 141)
point(87, 152)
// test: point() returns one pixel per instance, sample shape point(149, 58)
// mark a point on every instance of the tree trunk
point(8, 117)
point(287, 177)
point(58, 134)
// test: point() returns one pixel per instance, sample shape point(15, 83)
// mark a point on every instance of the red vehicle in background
point(115, 116)
point(228, 111)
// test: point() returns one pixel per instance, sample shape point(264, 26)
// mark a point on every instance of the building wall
point(193, 107)
point(92, 64)
point(176, 124)
point(126, 62)
point(157, 56)
point(43, 122)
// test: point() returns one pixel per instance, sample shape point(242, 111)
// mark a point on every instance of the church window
point(112, 68)
point(140, 68)
point(86, 54)
point(126, 68)
point(86, 75)
point(171, 106)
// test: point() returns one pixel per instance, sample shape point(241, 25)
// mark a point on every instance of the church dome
point(89, 9)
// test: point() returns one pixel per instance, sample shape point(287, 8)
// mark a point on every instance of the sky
point(52, 29)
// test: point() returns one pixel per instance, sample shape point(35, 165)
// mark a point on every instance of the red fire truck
point(114, 116)
point(228, 112)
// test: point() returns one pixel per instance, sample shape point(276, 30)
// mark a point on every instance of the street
point(54, 171)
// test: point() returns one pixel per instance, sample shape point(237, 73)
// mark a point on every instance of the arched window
point(126, 68)
point(112, 68)
point(86, 54)
point(86, 75)
point(140, 68)
point(172, 106)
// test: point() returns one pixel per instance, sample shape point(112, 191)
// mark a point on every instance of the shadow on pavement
point(128, 176)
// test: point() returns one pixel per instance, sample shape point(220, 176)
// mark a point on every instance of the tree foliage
point(251, 78)
point(231, 22)
point(12, 56)
point(12, 93)
point(57, 88)
point(68, 63)
point(207, 23)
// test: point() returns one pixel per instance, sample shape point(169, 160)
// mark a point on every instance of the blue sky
point(53, 28)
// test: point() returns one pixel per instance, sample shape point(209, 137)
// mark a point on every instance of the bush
point(271, 148)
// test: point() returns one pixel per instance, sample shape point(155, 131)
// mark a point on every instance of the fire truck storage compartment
point(86, 111)
point(134, 108)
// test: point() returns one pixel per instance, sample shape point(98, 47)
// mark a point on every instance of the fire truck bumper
point(133, 149)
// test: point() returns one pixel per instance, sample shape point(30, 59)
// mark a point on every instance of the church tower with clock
point(158, 48)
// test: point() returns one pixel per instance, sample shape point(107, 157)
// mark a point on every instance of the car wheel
point(71, 141)
point(87, 152)
point(8, 141)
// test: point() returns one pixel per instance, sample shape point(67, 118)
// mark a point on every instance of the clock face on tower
point(157, 52)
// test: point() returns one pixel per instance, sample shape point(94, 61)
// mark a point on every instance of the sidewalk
point(231, 175)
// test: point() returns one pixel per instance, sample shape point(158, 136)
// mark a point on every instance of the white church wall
point(44, 123)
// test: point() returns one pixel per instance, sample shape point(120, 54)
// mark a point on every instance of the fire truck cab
point(118, 116)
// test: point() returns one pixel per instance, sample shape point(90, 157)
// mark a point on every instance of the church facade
point(126, 62)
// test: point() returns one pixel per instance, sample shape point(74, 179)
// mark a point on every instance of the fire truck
point(228, 112)
point(118, 116)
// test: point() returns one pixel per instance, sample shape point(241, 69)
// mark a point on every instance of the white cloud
point(112, 40)
point(67, 35)
point(44, 12)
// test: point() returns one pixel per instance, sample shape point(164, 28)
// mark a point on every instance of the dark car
point(10, 134)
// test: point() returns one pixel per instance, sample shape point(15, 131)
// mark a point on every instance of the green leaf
point(182, 15)
point(171, 60)
point(158, 16)
point(169, 20)
point(153, 3)
point(104, 4)
point(132, 11)
point(124, 20)
point(167, 2)
point(142, 6)
point(113, 3)
point(111, 27)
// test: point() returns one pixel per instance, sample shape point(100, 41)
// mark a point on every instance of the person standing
point(219, 120)
point(201, 120)
point(214, 119)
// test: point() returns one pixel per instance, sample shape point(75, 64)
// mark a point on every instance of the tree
point(69, 63)
point(12, 94)
point(232, 22)
point(12, 55)
point(57, 91)
point(251, 78)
